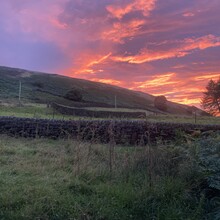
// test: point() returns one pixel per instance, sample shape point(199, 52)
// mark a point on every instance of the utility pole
point(115, 101)
point(19, 93)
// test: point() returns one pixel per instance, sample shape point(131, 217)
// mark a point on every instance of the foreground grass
point(64, 179)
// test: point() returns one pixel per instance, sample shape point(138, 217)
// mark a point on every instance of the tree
point(74, 95)
point(160, 102)
point(211, 98)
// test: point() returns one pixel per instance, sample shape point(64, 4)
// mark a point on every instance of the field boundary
point(66, 110)
point(104, 131)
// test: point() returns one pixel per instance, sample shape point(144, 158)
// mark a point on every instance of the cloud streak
point(120, 10)
point(184, 47)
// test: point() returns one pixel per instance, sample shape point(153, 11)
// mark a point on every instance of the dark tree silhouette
point(211, 98)
point(74, 95)
point(160, 102)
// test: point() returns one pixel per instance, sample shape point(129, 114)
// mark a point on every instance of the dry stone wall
point(95, 114)
point(120, 131)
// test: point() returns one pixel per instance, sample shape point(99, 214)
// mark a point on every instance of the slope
point(45, 88)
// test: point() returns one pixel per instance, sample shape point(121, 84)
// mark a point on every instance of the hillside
point(43, 88)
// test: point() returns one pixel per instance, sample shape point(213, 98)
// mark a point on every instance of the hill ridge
point(49, 87)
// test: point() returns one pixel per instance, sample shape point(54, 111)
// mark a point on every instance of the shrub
point(38, 85)
point(74, 95)
point(160, 103)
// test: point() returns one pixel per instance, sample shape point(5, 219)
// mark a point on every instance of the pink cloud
point(144, 6)
point(188, 14)
point(120, 31)
point(185, 47)
point(39, 20)
point(87, 63)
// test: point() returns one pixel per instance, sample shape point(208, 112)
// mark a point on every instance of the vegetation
point(43, 88)
point(29, 111)
point(38, 84)
point(41, 111)
point(160, 103)
point(71, 179)
point(211, 98)
point(74, 95)
point(65, 179)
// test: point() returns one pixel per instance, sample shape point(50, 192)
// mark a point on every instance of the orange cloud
point(157, 81)
point(86, 63)
point(137, 5)
point(207, 77)
point(187, 101)
point(108, 81)
point(123, 30)
point(100, 60)
point(185, 90)
point(148, 55)
point(188, 45)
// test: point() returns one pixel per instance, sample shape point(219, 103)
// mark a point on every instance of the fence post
point(111, 146)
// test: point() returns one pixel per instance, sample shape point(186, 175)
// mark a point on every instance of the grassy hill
point(43, 88)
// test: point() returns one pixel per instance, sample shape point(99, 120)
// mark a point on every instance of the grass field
point(65, 179)
point(184, 119)
point(33, 110)
point(69, 179)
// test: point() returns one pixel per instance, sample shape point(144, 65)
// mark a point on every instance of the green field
point(33, 110)
point(65, 179)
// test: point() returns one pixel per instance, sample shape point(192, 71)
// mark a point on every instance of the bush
point(38, 85)
point(160, 103)
point(74, 95)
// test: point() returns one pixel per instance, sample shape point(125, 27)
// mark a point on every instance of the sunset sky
point(162, 47)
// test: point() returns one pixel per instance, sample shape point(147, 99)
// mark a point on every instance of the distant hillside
point(43, 88)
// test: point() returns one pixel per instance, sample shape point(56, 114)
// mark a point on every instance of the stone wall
point(65, 110)
point(120, 131)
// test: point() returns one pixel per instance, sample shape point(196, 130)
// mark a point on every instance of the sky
point(161, 47)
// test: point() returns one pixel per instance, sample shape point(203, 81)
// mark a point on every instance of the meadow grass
point(67, 179)
point(184, 119)
point(33, 110)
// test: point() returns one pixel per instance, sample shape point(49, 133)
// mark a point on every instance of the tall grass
point(66, 179)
